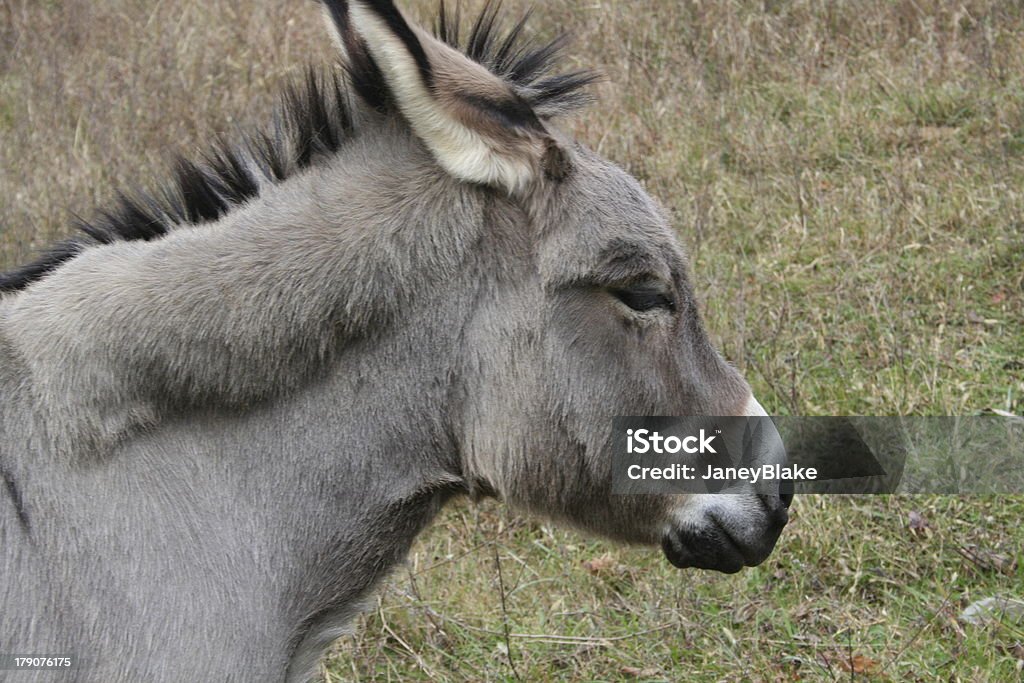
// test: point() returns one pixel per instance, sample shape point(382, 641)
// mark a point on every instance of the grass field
point(849, 181)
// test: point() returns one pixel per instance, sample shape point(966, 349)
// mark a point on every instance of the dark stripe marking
point(15, 495)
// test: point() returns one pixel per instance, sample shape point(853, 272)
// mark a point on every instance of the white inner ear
point(464, 152)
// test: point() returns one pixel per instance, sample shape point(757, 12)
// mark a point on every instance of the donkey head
point(587, 311)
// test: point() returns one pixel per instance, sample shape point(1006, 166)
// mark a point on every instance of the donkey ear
point(477, 127)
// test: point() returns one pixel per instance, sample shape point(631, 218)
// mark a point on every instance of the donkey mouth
point(712, 546)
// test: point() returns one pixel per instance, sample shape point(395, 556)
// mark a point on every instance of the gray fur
point(224, 439)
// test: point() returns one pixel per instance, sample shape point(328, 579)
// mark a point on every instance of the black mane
point(313, 120)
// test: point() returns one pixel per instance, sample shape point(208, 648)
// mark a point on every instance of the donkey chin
point(735, 528)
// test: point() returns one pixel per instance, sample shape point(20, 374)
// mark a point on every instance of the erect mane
point(314, 120)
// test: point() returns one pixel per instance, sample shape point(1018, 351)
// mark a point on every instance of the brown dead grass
point(96, 96)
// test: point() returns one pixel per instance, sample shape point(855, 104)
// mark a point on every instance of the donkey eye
point(644, 298)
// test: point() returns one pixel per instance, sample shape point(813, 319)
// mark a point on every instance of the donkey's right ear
point(476, 125)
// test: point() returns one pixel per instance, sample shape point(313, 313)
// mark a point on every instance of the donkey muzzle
point(731, 532)
point(740, 526)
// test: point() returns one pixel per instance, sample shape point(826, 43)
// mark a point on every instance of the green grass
point(850, 575)
point(849, 181)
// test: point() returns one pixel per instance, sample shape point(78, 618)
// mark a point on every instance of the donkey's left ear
point(477, 127)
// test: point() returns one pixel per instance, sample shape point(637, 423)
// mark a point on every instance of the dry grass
point(849, 179)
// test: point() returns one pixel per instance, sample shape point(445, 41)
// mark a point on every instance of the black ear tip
point(339, 14)
point(386, 12)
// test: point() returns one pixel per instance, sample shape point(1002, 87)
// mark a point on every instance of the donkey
point(230, 406)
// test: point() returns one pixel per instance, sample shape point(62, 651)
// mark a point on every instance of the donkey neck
point(249, 308)
point(294, 367)
point(278, 521)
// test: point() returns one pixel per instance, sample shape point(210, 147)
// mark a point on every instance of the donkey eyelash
point(643, 299)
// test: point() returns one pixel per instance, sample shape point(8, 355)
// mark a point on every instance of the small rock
point(993, 609)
